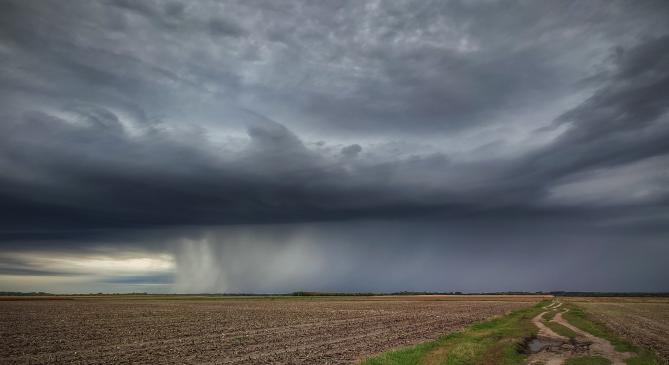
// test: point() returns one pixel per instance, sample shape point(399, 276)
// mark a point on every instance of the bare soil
point(247, 331)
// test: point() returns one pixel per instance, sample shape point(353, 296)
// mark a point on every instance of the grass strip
point(561, 330)
point(491, 342)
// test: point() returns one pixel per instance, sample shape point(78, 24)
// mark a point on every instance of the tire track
point(558, 348)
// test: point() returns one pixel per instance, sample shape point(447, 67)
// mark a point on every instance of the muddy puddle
point(537, 345)
point(533, 345)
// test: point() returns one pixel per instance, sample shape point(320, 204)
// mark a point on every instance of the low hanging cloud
point(370, 255)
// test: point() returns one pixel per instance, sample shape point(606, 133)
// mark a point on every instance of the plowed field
point(229, 331)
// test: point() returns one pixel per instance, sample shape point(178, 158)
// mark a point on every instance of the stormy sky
point(263, 146)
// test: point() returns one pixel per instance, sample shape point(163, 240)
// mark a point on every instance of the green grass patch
point(644, 357)
point(588, 360)
point(550, 315)
point(561, 330)
point(490, 342)
point(411, 355)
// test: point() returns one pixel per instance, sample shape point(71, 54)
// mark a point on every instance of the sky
point(267, 147)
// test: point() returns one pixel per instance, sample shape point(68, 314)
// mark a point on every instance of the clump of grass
point(549, 315)
point(645, 357)
point(588, 360)
point(407, 356)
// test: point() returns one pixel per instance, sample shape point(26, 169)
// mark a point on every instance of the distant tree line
point(22, 294)
point(606, 294)
point(365, 294)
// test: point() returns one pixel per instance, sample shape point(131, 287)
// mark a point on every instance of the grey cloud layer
point(123, 113)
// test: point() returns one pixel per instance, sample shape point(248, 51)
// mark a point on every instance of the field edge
point(493, 341)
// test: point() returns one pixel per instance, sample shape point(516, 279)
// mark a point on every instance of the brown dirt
point(249, 331)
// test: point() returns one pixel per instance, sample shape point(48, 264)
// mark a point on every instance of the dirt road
point(548, 344)
point(554, 349)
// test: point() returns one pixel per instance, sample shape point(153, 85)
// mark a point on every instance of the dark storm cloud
point(351, 151)
point(222, 27)
point(137, 115)
point(70, 159)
